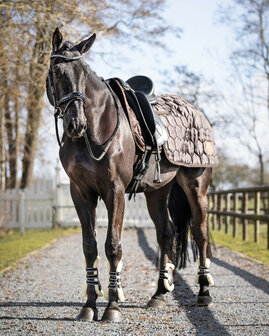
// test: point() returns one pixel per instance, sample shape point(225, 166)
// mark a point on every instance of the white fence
point(136, 213)
point(42, 207)
point(28, 208)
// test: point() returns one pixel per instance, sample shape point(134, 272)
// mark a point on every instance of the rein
point(78, 96)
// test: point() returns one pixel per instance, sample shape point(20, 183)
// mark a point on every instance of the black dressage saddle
point(145, 85)
point(140, 95)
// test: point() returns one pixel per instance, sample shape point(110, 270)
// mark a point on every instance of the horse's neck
point(100, 109)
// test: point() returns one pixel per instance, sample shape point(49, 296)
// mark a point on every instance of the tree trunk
point(17, 108)
point(36, 91)
point(2, 151)
point(9, 132)
point(261, 164)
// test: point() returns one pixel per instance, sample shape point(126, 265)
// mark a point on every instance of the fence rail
point(41, 206)
point(27, 208)
point(228, 207)
point(135, 213)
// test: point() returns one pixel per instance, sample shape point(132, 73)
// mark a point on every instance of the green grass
point(13, 246)
point(254, 250)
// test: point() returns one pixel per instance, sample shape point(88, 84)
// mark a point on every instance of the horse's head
point(66, 83)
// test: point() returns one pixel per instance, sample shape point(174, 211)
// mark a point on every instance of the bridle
point(77, 96)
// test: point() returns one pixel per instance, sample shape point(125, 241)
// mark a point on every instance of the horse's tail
point(181, 216)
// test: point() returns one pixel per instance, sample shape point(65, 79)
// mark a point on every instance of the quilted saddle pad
point(191, 140)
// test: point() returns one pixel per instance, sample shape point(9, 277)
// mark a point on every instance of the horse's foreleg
point(195, 188)
point(86, 213)
point(115, 205)
point(157, 207)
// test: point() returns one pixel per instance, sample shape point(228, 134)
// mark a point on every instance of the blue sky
point(203, 45)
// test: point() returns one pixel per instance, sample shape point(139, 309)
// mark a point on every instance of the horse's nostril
point(71, 126)
point(76, 128)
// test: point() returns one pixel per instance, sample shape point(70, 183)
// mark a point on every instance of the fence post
point(22, 207)
point(235, 219)
point(221, 209)
point(245, 220)
point(56, 215)
point(257, 212)
point(215, 208)
point(228, 208)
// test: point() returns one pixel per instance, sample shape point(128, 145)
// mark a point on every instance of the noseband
point(77, 96)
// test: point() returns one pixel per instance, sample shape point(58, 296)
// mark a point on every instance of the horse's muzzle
point(76, 128)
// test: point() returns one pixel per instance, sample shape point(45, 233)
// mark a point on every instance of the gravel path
point(43, 294)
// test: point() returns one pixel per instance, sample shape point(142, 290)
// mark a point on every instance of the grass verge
point(254, 250)
point(13, 246)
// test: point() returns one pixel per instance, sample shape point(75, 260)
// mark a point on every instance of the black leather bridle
point(77, 96)
point(69, 98)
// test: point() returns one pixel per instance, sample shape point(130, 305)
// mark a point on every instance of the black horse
point(98, 153)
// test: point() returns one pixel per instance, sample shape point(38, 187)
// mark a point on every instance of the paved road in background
point(43, 295)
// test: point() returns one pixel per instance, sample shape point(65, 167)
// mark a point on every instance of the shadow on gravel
point(36, 318)
point(40, 304)
point(200, 317)
point(251, 278)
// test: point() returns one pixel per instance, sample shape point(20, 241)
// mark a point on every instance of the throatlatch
point(115, 282)
point(92, 277)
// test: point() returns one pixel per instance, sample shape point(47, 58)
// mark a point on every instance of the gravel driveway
point(44, 293)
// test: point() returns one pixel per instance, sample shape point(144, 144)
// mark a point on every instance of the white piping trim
point(99, 292)
point(120, 291)
point(169, 287)
point(208, 275)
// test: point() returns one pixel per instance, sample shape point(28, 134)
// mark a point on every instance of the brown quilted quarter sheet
point(191, 141)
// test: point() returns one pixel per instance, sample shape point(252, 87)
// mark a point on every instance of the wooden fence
point(31, 207)
point(246, 205)
point(135, 213)
point(42, 206)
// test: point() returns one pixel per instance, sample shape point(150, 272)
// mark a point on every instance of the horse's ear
point(85, 45)
point(57, 39)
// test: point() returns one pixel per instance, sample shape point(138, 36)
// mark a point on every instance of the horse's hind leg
point(157, 207)
point(86, 213)
point(194, 182)
point(114, 200)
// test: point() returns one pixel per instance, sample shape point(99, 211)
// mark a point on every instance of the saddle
point(137, 95)
point(139, 91)
point(143, 84)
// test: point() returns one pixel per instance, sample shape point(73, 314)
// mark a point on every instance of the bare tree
point(249, 76)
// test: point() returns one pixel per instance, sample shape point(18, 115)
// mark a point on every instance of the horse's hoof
point(156, 303)
point(88, 314)
point(112, 315)
point(204, 301)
